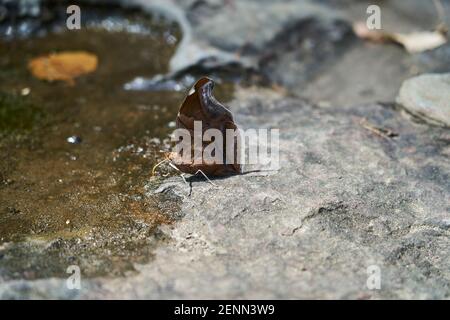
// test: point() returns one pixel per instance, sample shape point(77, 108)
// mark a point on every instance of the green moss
point(17, 114)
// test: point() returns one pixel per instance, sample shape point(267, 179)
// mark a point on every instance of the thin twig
point(382, 132)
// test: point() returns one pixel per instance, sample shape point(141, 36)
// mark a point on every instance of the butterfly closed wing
point(200, 105)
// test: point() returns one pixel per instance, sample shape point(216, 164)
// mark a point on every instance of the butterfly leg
point(181, 173)
point(184, 179)
point(200, 171)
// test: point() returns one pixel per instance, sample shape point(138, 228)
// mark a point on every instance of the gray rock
point(217, 33)
point(344, 199)
point(347, 196)
point(306, 46)
point(428, 97)
point(435, 61)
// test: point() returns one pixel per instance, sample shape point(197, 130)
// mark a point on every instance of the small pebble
point(74, 139)
point(170, 39)
point(25, 91)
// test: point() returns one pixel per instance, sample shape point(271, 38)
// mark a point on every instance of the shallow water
point(84, 203)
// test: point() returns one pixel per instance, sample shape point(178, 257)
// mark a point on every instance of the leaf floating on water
point(414, 42)
point(63, 66)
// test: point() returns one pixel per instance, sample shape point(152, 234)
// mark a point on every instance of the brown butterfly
point(201, 106)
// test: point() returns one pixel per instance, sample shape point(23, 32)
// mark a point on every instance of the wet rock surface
point(74, 159)
point(362, 183)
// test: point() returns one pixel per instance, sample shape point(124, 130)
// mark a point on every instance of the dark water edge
point(84, 203)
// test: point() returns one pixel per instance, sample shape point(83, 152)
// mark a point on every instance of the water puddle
point(74, 160)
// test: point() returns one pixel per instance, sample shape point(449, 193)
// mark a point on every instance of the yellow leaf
point(63, 66)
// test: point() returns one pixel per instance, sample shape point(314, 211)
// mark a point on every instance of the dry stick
point(384, 133)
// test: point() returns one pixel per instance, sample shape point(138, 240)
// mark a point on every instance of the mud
point(63, 203)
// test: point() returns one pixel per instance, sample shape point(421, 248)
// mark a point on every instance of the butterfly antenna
point(206, 177)
point(157, 165)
